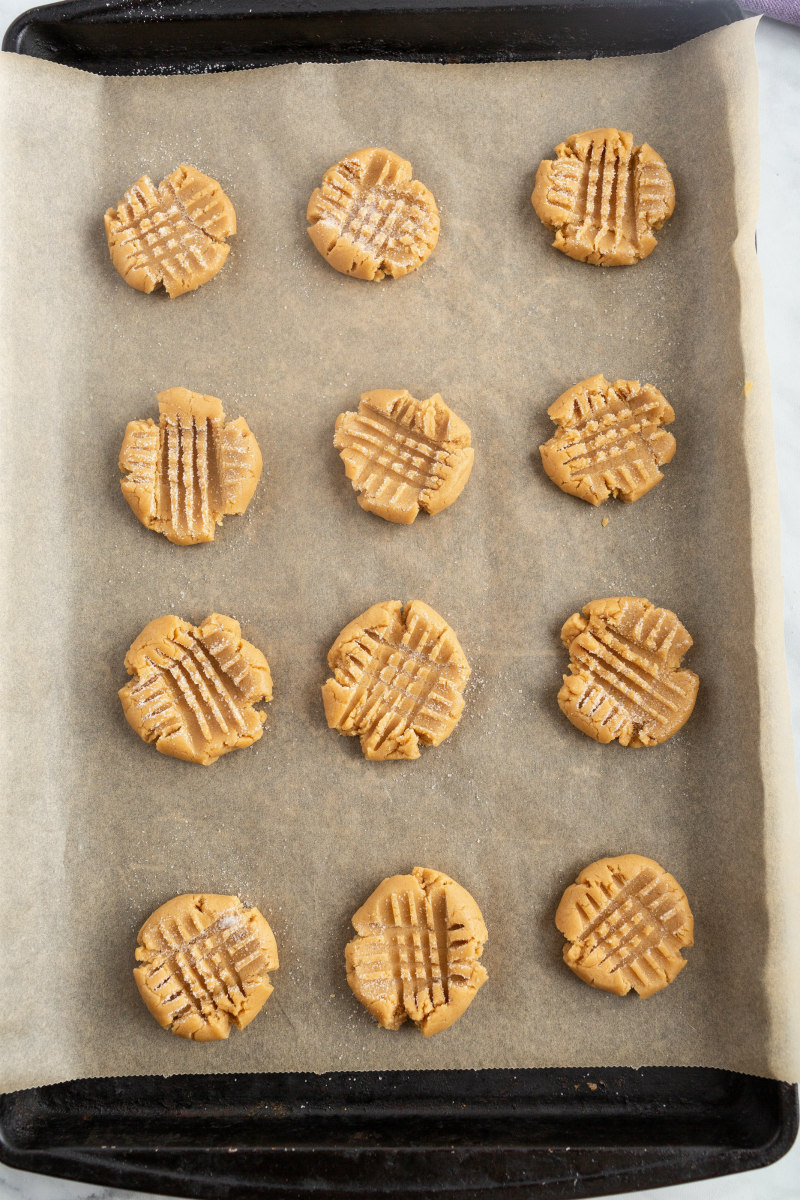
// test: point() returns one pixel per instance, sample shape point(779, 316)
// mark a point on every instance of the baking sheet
point(99, 829)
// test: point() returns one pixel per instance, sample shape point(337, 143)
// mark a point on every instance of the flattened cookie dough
point(173, 234)
point(183, 475)
point(194, 687)
point(626, 684)
point(398, 678)
point(626, 921)
point(205, 965)
point(416, 954)
point(603, 197)
point(370, 218)
point(404, 454)
point(610, 441)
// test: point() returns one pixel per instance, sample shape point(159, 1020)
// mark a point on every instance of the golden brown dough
point(626, 921)
point(626, 684)
point(416, 954)
point(185, 474)
point(205, 965)
point(172, 234)
point(398, 678)
point(603, 197)
point(610, 441)
point(404, 454)
point(194, 688)
point(370, 218)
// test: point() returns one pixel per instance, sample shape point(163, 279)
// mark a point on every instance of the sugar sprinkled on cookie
point(370, 218)
point(205, 963)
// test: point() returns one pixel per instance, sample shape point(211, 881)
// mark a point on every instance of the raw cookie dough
point(205, 965)
point(398, 678)
point(416, 954)
point(610, 441)
point(194, 688)
point(185, 474)
point(625, 682)
point(604, 196)
point(404, 454)
point(370, 218)
point(626, 921)
point(172, 234)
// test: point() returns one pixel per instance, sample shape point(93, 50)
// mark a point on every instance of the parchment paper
point(99, 829)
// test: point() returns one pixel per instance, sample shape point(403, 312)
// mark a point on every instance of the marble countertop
point(778, 51)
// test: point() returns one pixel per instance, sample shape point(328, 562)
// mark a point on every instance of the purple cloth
point(781, 10)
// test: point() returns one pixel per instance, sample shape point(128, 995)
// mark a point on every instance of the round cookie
point(183, 475)
point(626, 921)
point(370, 219)
point(415, 956)
point(609, 441)
point(173, 234)
point(194, 688)
point(603, 197)
point(205, 965)
point(625, 683)
point(404, 454)
point(398, 678)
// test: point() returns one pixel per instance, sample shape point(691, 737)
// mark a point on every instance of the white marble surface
point(778, 49)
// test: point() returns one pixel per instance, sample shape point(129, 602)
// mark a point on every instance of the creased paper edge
point(781, 817)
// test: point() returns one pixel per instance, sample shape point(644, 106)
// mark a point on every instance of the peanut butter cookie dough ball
point(415, 956)
point(610, 440)
point(184, 474)
point(626, 682)
point(205, 963)
point(626, 921)
point(194, 688)
point(173, 234)
point(370, 219)
point(403, 454)
point(603, 197)
point(398, 679)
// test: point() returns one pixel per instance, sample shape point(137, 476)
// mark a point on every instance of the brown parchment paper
point(98, 829)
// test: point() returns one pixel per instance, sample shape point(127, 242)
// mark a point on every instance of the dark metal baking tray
point(162, 36)
point(469, 1135)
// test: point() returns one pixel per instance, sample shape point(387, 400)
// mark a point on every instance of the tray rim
point(651, 1164)
point(119, 12)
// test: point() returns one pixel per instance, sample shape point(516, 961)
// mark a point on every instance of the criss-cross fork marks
point(612, 444)
point(405, 960)
point(606, 196)
point(197, 684)
point(204, 970)
point(191, 469)
point(632, 927)
point(393, 463)
point(597, 195)
point(170, 234)
point(625, 683)
point(401, 678)
point(413, 956)
point(389, 220)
